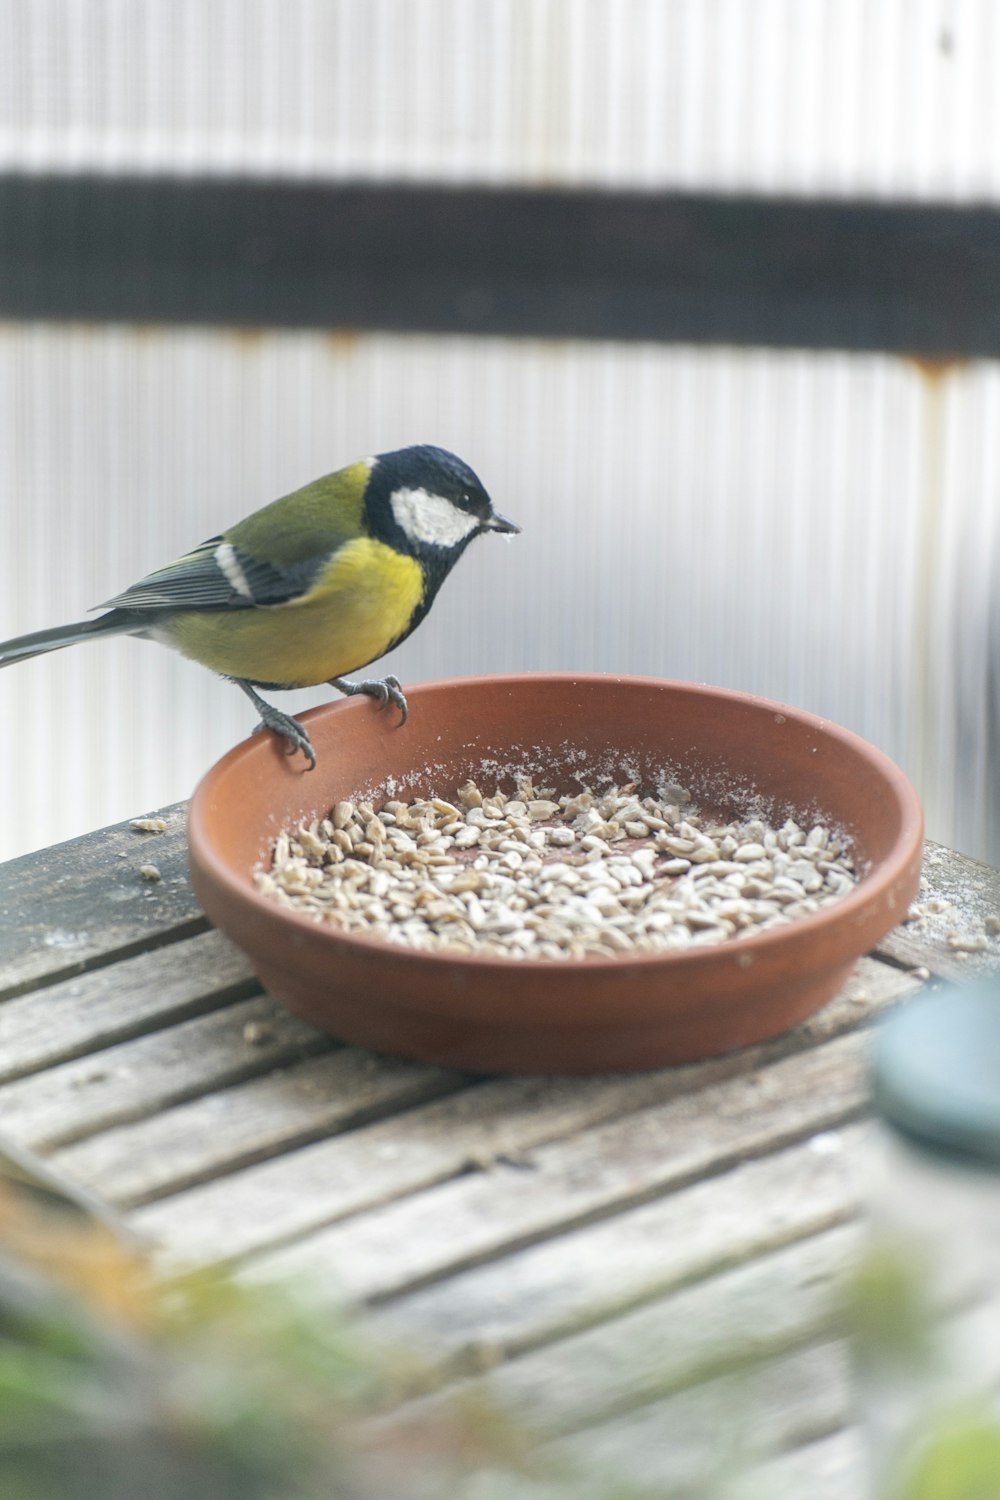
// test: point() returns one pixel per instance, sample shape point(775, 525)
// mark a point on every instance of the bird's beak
point(501, 523)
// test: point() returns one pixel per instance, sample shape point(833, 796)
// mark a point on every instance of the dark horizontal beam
point(922, 279)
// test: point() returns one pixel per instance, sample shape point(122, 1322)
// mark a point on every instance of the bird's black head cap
point(427, 502)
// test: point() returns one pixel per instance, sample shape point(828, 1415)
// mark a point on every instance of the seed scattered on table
point(533, 875)
point(958, 919)
point(258, 1033)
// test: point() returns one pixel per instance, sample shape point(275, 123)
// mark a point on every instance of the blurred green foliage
point(960, 1460)
point(116, 1386)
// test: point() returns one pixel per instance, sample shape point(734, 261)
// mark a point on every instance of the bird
point(310, 588)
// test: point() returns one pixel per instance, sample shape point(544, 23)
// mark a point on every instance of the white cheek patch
point(431, 519)
point(229, 564)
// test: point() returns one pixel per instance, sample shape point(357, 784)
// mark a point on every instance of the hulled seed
point(476, 874)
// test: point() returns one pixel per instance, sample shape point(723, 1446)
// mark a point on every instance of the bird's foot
point(385, 689)
point(272, 718)
point(291, 730)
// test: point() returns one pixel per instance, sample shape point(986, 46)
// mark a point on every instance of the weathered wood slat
point(608, 1398)
point(281, 1200)
point(710, 1435)
point(553, 1289)
point(83, 904)
point(135, 1079)
point(594, 1173)
point(30, 1180)
point(138, 1162)
point(834, 1468)
point(776, 1302)
point(189, 1143)
point(970, 893)
point(714, 1442)
point(104, 1006)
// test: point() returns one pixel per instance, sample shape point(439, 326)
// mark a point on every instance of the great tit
point(311, 587)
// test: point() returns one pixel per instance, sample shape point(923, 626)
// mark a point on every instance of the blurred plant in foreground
point(115, 1385)
point(932, 1435)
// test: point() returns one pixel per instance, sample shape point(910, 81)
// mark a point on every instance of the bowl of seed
point(557, 873)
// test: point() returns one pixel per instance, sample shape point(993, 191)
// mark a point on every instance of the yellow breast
point(361, 604)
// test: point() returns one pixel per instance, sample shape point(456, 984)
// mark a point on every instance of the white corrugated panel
point(855, 97)
point(821, 528)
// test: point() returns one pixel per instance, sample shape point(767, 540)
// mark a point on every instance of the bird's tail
point(116, 622)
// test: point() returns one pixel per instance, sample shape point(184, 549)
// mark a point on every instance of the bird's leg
point(283, 724)
point(385, 689)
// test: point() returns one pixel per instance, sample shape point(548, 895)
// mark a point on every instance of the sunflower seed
point(471, 875)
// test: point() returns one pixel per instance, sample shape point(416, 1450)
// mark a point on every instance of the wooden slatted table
point(597, 1253)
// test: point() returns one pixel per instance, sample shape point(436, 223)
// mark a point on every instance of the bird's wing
point(216, 575)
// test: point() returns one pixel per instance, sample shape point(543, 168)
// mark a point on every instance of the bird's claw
point(283, 724)
point(291, 731)
point(384, 689)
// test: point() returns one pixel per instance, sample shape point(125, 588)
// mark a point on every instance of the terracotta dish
point(550, 1016)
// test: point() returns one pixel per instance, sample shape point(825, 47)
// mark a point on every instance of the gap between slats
point(785, 1299)
point(610, 1169)
point(138, 996)
point(481, 1318)
point(363, 1171)
point(777, 1312)
point(193, 927)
